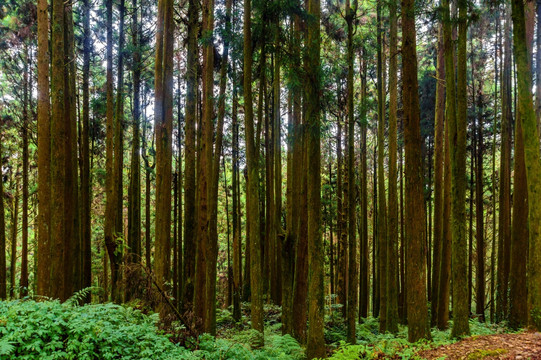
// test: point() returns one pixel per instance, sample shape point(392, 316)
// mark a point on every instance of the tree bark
point(438, 178)
point(415, 212)
point(315, 337)
point(189, 155)
point(252, 201)
point(533, 166)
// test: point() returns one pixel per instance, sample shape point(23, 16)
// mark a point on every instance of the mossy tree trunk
point(189, 155)
point(351, 10)
point(252, 201)
point(533, 164)
point(382, 203)
point(44, 152)
point(438, 178)
point(163, 122)
point(415, 211)
point(392, 240)
point(504, 231)
point(316, 265)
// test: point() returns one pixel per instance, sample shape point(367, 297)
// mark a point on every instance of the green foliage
point(54, 330)
point(373, 345)
point(51, 330)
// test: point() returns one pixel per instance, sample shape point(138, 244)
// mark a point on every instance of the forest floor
point(525, 346)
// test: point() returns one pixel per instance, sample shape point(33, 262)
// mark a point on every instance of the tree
point(438, 180)
point(533, 165)
point(23, 283)
point(457, 135)
point(352, 302)
point(312, 107)
point(86, 181)
point(518, 292)
point(504, 235)
point(110, 202)
point(163, 120)
point(415, 211)
point(134, 190)
point(44, 152)
point(252, 201)
point(382, 205)
point(392, 218)
point(189, 155)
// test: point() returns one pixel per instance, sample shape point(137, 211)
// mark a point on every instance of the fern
point(80, 295)
point(6, 347)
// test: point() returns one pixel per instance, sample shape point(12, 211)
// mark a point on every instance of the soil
point(523, 346)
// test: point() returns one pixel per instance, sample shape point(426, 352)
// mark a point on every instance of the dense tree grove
point(339, 160)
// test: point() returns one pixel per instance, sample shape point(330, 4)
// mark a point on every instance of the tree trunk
point(44, 152)
point(134, 190)
point(315, 337)
point(13, 252)
point(382, 204)
point(364, 279)
point(438, 179)
point(163, 122)
point(392, 241)
point(457, 135)
point(252, 201)
point(189, 155)
point(530, 136)
point(352, 208)
point(59, 134)
point(504, 234)
point(86, 188)
point(23, 283)
point(415, 212)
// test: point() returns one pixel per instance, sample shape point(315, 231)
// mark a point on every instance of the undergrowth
point(371, 344)
point(52, 330)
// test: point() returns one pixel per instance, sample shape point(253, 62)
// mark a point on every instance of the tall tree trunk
point(163, 122)
point(364, 279)
point(118, 156)
point(438, 178)
point(44, 152)
point(72, 237)
point(479, 210)
point(504, 234)
point(86, 189)
point(457, 135)
point(189, 155)
point(278, 233)
point(109, 226)
point(23, 283)
point(59, 134)
point(134, 190)
point(237, 246)
point(530, 137)
point(215, 152)
point(252, 201)
point(13, 252)
point(415, 212)
point(352, 208)
point(342, 240)
point(496, 96)
point(382, 204)
point(315, 338)
point(392, 241)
